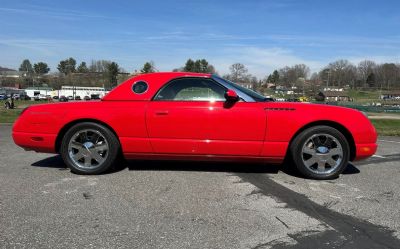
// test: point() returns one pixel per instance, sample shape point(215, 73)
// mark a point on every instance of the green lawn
point(387, 127)
point(9, 116)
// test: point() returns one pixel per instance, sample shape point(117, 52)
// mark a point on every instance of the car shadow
point(228, 167)
point(51, 162)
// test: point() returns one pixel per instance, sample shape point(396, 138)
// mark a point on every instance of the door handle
point(161, 113)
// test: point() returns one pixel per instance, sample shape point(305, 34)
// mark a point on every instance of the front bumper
point(365, 150)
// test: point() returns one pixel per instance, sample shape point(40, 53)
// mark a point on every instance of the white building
point(82, 91)
point(38, 91)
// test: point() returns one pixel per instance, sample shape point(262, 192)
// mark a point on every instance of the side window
point(191, 89)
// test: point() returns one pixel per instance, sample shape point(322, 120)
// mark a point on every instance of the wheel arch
point(333, 124)
point(67, 126)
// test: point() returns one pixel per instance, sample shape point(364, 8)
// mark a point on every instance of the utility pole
point(329, 75)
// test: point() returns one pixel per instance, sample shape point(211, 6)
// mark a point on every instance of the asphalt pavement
point(153, 204)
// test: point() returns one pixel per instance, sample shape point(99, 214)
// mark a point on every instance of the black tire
point(298, 156)
point(109, 157)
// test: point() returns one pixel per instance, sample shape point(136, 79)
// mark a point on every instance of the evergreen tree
point(26, 66)
point(189, 66)
point(112, 73)
point(41, 68)
point(148, 67)
point(67, 66)
point(82, 68)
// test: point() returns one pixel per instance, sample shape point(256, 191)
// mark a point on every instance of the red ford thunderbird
point(194, 116)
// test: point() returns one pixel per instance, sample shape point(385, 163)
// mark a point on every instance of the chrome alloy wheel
point(88, 149)
point(322, 153)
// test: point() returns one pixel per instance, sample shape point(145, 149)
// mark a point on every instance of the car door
point(177, 117)
point(236, 129)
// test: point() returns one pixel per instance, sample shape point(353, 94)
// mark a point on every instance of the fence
point(368, 108)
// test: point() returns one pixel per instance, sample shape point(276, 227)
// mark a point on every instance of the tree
point(26, 66)
point(342, 73)
point(370, 81)
point(112, 73)
point(364, 69)
point(148, 67)
point(238, 72)
point(41, 68)
point(82, 68)
point(189, 66)
point(301, 71)
point(269, 78)
point(275, 76)
point(388, 73)
point(198, 66)
point(67, 66)
point(294, 75)
point(99, 66)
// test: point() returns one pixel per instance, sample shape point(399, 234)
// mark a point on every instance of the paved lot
point(196, 205)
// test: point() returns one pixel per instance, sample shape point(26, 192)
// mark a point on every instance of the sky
point(261, 34)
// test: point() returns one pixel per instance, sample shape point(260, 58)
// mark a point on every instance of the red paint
point(198, 130)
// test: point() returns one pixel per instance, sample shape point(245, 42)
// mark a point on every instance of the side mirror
point(231, 96)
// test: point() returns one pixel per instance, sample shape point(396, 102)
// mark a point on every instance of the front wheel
point(89, 148)
point(320, 152)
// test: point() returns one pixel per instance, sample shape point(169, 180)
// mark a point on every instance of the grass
point(9, 116)
point(387, 127)
point(364, 95)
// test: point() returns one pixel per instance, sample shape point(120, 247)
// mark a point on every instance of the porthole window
point(139, 87)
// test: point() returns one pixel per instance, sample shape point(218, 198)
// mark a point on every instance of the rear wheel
point(89, 148)
point(320, 152)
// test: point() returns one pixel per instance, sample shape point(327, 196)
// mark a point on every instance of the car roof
point(154, 81)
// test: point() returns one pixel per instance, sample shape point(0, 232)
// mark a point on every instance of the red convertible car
point(194, 116)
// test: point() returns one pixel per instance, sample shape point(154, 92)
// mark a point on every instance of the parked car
point(55, 97)
point(94, 96)
point(78, 97)
point(193, 116)
point(70, 98)
point(86, 98)
point(3, 97)
point(63, 99)
point(40, 97)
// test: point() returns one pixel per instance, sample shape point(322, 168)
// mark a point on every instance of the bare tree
point(342, 73)
point(99, 66)
point(301, 71)
point(388, 75)
point(238, 72)
point(292, 76)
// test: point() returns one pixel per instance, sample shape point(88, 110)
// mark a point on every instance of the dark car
point(86, 98)
point(63, 99)
point(94, 96)
point(55, 97)
point(77, 97)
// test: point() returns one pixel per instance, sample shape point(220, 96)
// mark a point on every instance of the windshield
point(255, 95)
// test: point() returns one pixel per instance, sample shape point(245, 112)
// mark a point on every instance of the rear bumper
point(365, 150)
point(35, 141)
